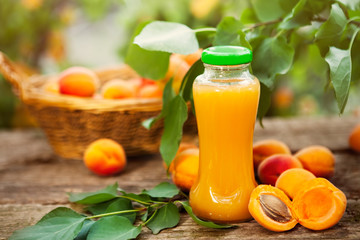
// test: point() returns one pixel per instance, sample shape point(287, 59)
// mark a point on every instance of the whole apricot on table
point(265, 148)
point(105, 157)
point(118, 89)
point(271, 168)
point(186, 166)
point(354, 139)
point(317, 159)
point(318, 204)
point(78, 81)
point(290, 180)
point(182, 147)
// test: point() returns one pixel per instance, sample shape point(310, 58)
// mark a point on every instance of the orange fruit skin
point(354, 139)
point(105, 157)
point(78, 81)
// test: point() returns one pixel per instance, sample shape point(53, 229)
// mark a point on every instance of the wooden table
point(33, 181)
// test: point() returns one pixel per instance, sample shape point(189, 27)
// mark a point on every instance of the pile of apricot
point(294, 188)
point(83, 82)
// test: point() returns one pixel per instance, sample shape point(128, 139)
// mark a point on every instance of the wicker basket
point(71, 123)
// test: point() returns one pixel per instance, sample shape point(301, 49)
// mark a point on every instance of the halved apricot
point(271, 208)
point(319, 204)
point(290, 180)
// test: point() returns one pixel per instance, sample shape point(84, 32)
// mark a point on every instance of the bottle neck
point(226, 71)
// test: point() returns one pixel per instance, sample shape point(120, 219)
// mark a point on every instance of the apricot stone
point(271, 208)
point(105, 157)
point(78, 81)
point(271, 168)
point(317, 159)
point(354, 139)
point(265, 148)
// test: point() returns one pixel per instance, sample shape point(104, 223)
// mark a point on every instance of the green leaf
point(113, 228)
point(267, 10)
point(303, 13)
point(166, 217)
point(60, 224)
point(173, 127)
point(85, 230)
point(167, 37)
point(186, 85)
point(122, 204)
point(140, 198)
point(163, 190)
point(340, 72)
point(142, 61)
point(264, 102)
point(209, 224)
point(272, 57)
point(168, 95)
point(299, 16)
point(331, 31)
point(352, 4)
point(248, 16)
point(103, 195)
point(100, 208)
point(227, 32)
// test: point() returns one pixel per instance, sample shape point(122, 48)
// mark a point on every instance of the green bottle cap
point(226, 55)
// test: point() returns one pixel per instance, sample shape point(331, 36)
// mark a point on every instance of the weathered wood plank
point(33, 181)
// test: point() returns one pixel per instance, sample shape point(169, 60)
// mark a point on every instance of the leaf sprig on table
point(114, 214)
point(276, 30)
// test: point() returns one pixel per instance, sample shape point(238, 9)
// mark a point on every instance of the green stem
point(135, 200)
point(353, 38)
point(205, 30)
point(152, 216)
point(113, 213)
point(262, 24)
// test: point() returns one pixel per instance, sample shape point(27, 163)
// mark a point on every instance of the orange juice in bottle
point(226, 98)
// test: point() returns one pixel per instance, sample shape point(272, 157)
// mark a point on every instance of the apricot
point(105, 157)
point(186, 166)
point(182, 147)
point(271, 208)
point(317, 159)
point(118, 89)
point(193, 57)
point(319, 204)
point(290, 180)
point(354, 139)
point(283, 97)
point(150, 91)
point(51, 87)
point(78, 81)
point(271, 168)
point(177, 70)
point(265, 148)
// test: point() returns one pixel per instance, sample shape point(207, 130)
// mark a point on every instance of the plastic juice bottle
point(226, 98)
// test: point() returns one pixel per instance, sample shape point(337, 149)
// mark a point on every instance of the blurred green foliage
point(34, 29)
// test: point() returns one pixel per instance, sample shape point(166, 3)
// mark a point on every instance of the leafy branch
point(275, 30)
point(115, 213)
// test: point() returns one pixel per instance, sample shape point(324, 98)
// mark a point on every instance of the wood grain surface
point(33, 181)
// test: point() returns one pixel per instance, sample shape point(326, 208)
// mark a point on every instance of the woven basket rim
point(36, 95)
